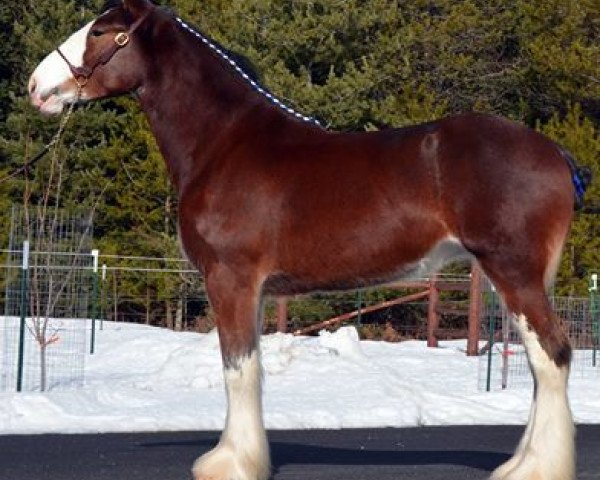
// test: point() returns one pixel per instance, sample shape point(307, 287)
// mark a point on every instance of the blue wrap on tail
point(581, 177)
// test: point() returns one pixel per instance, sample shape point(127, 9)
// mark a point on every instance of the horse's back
point(394, 196)
point(369, 206)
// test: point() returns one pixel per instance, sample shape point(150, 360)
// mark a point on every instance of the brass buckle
point(81, 81)
point(122, 39)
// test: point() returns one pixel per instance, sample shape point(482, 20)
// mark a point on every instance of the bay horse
point(271, 203)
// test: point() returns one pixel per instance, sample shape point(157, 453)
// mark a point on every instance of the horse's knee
point(235, 299)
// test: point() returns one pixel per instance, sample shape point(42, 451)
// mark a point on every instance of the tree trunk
point(167, 217)
point(43, 366)
point(168, 315)
point(147, 306)
point(115, 298)
point(179, 316)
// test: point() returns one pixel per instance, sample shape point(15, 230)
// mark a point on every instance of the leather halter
point(82, 74)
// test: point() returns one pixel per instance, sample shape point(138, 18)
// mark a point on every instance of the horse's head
point(104, 58)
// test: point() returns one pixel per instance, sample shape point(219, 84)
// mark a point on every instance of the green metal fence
point(595, 316)
point(503, 363)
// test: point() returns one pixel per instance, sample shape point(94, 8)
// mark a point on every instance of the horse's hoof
point(227, 463)
point(529, 468)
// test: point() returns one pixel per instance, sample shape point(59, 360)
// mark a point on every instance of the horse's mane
point(241, 60)
point(108, 4)
point(246, 64)
point(243, 66)
point(238, 62)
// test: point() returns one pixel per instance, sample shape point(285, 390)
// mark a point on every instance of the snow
point(149, 379)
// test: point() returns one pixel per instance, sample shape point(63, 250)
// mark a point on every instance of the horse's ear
point(137, 7)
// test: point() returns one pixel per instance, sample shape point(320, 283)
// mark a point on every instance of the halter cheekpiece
point(82, 74)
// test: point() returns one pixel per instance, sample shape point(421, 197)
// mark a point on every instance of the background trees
point(355, 64)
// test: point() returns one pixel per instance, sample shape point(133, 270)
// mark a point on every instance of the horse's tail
point(581, 178)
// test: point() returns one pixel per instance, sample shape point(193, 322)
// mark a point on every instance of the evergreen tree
point(355, 64)
point(559, 43)
point(9, 54)
point(581, 255)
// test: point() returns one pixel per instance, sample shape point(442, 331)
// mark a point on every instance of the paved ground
point(448, 453)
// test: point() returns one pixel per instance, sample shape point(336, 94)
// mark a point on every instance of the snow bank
point(148, 379)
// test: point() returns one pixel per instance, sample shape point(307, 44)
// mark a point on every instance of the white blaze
point(52, 73)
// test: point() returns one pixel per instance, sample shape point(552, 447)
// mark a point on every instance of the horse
point(272, 203)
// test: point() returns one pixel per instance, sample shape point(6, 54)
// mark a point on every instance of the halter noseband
point(82, 74)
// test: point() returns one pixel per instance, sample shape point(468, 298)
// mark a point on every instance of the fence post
point(359, 308)
point(24, 299)
point(474, 311)
point(505, 335)
point(282, 314)
point(594, 307)
point(95, 254)
point(103, 297)
point(184, 310)
point(488, 383)
point(433, 318)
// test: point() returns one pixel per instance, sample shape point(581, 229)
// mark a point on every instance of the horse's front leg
point(243, 451)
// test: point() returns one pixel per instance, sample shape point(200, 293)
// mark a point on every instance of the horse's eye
point(96, 33)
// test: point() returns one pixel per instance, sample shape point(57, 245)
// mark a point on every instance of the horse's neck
point(194, 103)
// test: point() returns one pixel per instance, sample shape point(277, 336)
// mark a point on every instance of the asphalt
point(425, 453)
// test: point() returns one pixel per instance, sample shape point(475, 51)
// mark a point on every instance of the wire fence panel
point(165, 292)
point(54, 301)
point(49, 280)
point(9, 340)
point(58, 364)
point(503, 361)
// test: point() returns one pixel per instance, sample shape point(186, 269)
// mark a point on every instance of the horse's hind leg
point(243, 451)
point(546, 451)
